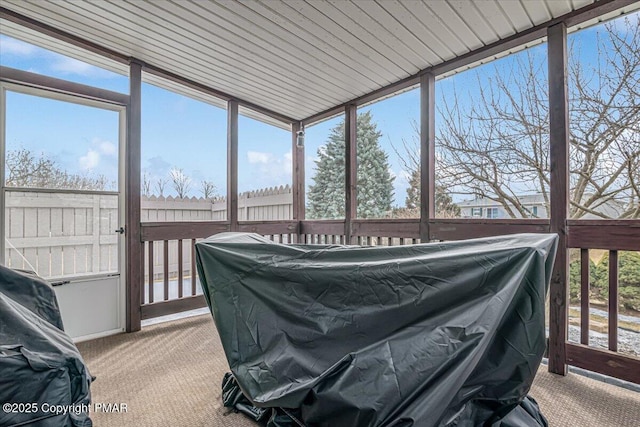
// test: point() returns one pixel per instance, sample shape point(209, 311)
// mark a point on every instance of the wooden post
point(350, 169)
point(134, 252)
point(559, 190)
point(298, 209)
point(427, 153)
point(232, 165)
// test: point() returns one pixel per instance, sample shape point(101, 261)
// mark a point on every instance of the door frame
point(61, 90)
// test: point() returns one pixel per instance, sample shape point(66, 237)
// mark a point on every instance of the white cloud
point(107, 148)
point(9, 46)
point(90, 160)
point(256, 157)
point(73, 66)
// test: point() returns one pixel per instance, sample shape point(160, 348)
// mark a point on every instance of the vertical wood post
point(427, 153)
point(559, 191)
point(232, 164)
point(298, 210)
point(350, 169)
point(134, 252)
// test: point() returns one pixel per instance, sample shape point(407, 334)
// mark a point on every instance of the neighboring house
point(534, 203)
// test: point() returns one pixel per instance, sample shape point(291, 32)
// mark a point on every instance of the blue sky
point(179, 132)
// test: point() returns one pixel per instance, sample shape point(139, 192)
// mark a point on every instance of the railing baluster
point(151, 298)
point(166, 269)
point(613, 300)
point(180, 275)
point(584, 296)
point(142, 288)
point(193, 266)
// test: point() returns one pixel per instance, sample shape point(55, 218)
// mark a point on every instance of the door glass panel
point(61, 177)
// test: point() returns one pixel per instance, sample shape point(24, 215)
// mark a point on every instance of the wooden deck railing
point(611, 235)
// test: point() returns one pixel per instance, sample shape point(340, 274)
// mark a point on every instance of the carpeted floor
point(170, 374)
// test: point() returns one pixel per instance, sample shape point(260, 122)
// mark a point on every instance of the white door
point(62, 202)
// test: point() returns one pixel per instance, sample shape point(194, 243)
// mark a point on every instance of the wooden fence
point(72, 233)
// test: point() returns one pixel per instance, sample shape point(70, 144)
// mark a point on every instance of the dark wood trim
point(134, 249)
point(165, 270)
point(459, 229)
point(152, 69)
point(154, 231)
point(559, 193)
point(409, 228)
point(232, 165)
point(269, 227)
point(64, 36)
point(38, 81)
point(584, 296)
point(329, 227)
point(351, 170)
point(621, 235)
point(298, 173)
point(427, 152)
point(180, 272)
point(149, 311)
point(603, 361)
point(151, 272)
point(613, 300)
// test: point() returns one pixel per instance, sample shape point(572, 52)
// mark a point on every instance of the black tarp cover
point(39, 364)
point(423, 335)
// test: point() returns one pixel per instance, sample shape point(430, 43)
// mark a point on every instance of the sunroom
point(131, 130)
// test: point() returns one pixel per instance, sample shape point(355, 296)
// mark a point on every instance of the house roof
point(296, 58)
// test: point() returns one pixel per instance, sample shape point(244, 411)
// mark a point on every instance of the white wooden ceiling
point(295, 57)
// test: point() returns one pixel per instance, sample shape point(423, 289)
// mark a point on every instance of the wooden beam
point(427, 153)
point(25, 78)
point(328, 227)
point(613, 300)
point(623, 235)
point(269, 227)
point(559, 190)
point(351, 170)
point(298, 173)
point(604, 361)
point(232, 164)
point(162, 308)
point(584, 296)
point(153, 231)
point(134, 250)
point(459, 229)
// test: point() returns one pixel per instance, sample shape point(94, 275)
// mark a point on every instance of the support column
point(298, 177)
point(350, 169)
point(427, 153)
point(134, 248)
point(232, 164)
point(559, 193)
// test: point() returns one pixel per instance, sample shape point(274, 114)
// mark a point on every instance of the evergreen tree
point(374, 181)
point(445, 207)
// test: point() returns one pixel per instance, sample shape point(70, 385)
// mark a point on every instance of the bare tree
point(161, 183)
point(181, 182)
point(146, 184)
point(208, 189)
point(25, 169)
point(494, 142)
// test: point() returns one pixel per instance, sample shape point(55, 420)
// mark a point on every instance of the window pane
point(388, 152)
point(324, 166)
point(184, 158)
point(264, 171)
point(604, 77)
point(492, 138)
point(24, 56)
point(60, 145)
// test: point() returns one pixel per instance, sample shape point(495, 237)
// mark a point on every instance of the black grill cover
point(424, 335)
point(40, 366)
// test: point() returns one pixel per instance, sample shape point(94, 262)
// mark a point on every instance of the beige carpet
point(170, 374)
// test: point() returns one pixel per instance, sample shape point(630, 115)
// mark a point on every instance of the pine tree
point(445, 207)
point(374, 181)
